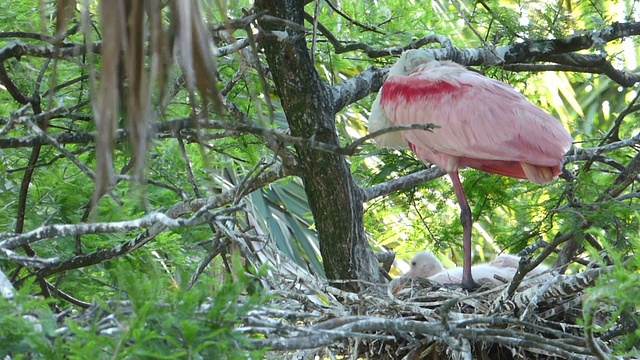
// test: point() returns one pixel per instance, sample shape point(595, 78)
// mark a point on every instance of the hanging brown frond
point(124, 47)
point(64, 11)
point(159, 46)
point(113, 33)
point(197, 52)
point(138, 99)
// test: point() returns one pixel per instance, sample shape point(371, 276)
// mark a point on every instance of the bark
point(335, 199)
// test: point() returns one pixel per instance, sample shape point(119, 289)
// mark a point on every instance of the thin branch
point(314, 38)
point(612, 134)
point(187, 164)
point(349, 19)
point(354, 145)
point(51, 161)
point(265, 133)
point(66, 297)
point(371, 51)
point(216, 248)
point(15, 115)
point(593, 158)
point(404, 182)
point(594, 151)
point(55, 231)
point(26, 261)
point(51, 141)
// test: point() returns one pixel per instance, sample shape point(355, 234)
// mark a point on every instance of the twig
point(349, 19)
point(216, 247)
point(315, 31)
point(35, 129)
point(588, 313)
point(26, 261)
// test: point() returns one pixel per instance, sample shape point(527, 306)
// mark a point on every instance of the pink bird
point(425, 265)
point(541, 272)
point(502, 269)
point(483, 124)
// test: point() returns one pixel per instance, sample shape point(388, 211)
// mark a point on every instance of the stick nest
point(529, 321)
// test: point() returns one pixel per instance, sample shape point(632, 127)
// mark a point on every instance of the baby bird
point(426, 266)
point(540, 272)
point(501, 270)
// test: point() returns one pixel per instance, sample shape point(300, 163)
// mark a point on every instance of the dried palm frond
point(65, 10)
point(136, 52)
point(107, 106)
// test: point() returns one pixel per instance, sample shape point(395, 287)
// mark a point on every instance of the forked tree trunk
point(334, 198)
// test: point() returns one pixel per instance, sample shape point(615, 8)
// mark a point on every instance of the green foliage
point(167, 321)
point(614, 299)
point(161, 322)
point(24, 329)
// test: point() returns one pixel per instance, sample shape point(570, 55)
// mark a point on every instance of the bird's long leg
point(465, 219)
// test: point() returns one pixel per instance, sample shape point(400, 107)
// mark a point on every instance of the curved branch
point(373, 53)
point(202, 216)
point(349, 19)
point(404, 182)
point(358, 87)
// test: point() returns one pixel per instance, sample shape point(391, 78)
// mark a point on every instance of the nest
point(525, 321)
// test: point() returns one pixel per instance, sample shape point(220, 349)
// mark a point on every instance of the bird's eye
point(413, 263)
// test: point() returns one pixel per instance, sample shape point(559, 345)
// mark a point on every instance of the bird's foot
point(469, 285)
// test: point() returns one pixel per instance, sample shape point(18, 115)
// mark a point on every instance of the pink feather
point(484, 123)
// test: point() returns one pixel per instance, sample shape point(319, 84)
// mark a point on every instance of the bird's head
point(378, 119)
point(424, 265)
point(409, 60)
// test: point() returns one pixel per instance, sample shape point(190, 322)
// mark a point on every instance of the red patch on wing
point(512, 169)
point(410, 89)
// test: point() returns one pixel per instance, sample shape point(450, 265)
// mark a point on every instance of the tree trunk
point(334, 198)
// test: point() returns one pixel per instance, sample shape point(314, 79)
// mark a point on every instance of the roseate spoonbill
point(423, 265)
point(483, 124)
point(426, 266)
point(483, 274)
point(540, 272)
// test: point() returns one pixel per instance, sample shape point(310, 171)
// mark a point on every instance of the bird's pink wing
point(479, 118)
